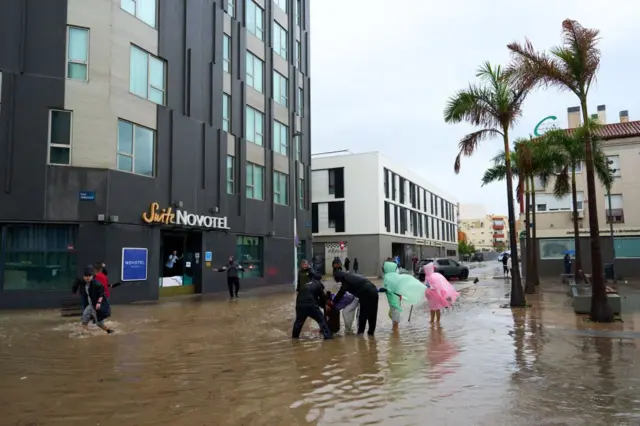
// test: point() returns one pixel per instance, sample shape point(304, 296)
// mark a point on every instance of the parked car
point(448, 267)
point(477, 257)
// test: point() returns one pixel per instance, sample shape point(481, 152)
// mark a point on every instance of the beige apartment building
point(621, 143)
point(486, 233)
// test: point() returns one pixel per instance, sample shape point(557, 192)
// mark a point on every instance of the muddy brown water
point(215, 362)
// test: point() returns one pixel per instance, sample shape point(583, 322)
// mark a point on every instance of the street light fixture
point(610, 216)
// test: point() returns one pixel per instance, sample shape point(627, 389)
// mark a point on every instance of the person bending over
point(367, 294)
point(311, 298)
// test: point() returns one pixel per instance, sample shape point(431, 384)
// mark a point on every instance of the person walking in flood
point(367, 294)
point(440, 293)
point(356, 267)
point(101, 277)
point(567, 263)
point(233, 279)
point(309, 302)
point(505, 270)
point(97, 306)
point(400, 288)
point(347, 264)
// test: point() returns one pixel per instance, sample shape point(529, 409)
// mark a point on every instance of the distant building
point(487, 233)
point(554, 223)
point(377, 209)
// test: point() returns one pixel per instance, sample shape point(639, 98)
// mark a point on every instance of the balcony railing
point(498, 227)
point(498, 235)
point(615, 215)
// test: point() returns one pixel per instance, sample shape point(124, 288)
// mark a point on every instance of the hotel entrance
point(181, 271)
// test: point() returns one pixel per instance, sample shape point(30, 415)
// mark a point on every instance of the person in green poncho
point(400, 288)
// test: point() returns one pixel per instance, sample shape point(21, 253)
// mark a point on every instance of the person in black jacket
point(92, 293)
point(366, 292)
point(356, 267)
point(306, 274)
point(311, 298)
point(347, 263)
point(233, 280)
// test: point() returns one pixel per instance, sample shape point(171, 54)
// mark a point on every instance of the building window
point(297, 54)
point(255, 19)
point(254, 72)
point(39, 257)
point(280, 89)
point(144, 10)
point(77, 53)
point(280, 138)
point(614, 209)
point(226, 112)
point(301, 193)
point(280, 40)
point(249, 254)
point(231, 8)
point(60, 137)
point(299, 12)
point(282, 4)
point(298, 147)
point(226, 53)
point(147, 76)
point(255, 181)
point(280, 188)
point(136, 149)
point(555, 248)
point(627, 248)
point(332, 181)
point(300, 101)
point(255, 126)
point(231, 173)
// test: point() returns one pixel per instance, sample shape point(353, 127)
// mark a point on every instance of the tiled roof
point(619, 130)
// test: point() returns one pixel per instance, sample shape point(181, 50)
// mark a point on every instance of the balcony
point(498, 227)
point(498, 236)
point(615, 215)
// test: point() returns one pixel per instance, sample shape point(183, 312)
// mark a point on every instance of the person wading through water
point(367, 294)
point(311, 298)
point(306, 274)
point(97, 306)
point(233, 280)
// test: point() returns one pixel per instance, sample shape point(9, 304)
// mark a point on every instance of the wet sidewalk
point(206, 361)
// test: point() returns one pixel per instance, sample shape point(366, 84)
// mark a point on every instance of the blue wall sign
point(87, 195)
point(134, 264)
point(208, 256)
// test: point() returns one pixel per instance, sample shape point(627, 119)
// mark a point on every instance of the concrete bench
point(582, 302)
point(565, 278)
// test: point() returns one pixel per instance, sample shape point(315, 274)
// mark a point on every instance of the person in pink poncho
point(440, 293)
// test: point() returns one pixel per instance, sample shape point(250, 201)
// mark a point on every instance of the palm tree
point(494, 105)
point(573, 67)
point(567, 150)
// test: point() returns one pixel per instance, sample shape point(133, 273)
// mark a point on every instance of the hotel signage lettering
point(169, 216)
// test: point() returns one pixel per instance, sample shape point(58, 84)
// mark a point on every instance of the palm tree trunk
point(517, 292)
point(600, 309)
point(534, 236)
point(529, 286)
point(576, 230)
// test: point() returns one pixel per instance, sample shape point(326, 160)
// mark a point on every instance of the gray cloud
point(381, 75)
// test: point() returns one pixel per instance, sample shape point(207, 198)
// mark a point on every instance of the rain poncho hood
point(440, 293)
point(411, 290)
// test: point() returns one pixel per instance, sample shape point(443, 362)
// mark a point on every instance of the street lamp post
point(610, 218)
point(295, 202)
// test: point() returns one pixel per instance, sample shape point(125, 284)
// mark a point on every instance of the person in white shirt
point(509, 266)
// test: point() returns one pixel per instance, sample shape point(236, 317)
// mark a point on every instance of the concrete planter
point(582, 301)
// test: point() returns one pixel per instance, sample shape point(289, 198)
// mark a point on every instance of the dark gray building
point(110, 109)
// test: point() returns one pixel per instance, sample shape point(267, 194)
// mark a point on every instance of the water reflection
point(213, 362)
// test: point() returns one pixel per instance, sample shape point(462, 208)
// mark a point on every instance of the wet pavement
point(195, 361)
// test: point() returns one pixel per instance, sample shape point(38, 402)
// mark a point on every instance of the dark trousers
point(368, 313)
point(315, 314)
point(234, 285)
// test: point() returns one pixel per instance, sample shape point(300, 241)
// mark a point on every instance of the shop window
point(39, 257)
point(249, 255)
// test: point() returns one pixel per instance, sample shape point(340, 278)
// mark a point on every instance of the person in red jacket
point(101, 277)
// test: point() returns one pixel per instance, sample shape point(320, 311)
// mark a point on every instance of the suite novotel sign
point(169, 216)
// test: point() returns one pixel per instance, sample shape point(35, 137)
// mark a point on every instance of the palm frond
point(469, 144)
point(473, 105)
point(562, 185)
point(493, 174)
point(601, 166)
point(456, 164)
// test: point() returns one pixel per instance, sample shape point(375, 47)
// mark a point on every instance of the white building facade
point(365, 206)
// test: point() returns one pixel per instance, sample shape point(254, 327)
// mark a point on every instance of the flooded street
point(215, 362)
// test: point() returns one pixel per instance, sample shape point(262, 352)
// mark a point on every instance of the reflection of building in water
point(378, 209)
point(554, 216)
point(100, 127)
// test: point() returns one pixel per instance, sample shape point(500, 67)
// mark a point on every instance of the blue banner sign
point(134, 264)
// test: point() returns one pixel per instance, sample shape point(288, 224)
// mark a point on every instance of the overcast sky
point(382, 71)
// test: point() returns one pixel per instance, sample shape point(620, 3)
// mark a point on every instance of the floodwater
point(214, 362)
